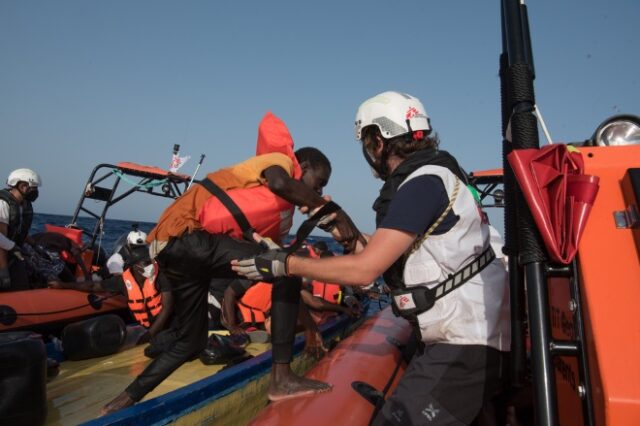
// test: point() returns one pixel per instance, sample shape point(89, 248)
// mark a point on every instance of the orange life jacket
point(270, 215)
point(255, 303)
point(145, 303)
point(327, 291)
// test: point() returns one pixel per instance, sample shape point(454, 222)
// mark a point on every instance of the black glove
point(264, 267)
point(15, 251)
point(5, 279)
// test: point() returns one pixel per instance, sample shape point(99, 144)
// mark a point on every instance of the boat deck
point(82, 388)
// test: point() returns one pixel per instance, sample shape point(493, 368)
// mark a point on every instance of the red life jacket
point(73, 234)
point(255, 303)
point(145, 303)
point(270, 215)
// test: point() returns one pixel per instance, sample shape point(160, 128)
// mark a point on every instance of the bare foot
point(118, 403)
point(285, 384)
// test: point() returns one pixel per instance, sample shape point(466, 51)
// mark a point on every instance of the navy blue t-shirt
point(417, 204)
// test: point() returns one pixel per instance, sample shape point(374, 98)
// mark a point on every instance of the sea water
point(113, 229)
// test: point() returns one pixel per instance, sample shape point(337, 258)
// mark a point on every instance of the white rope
point(101, 228)
point(538, 115)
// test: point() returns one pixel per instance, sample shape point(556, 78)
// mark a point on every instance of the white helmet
point(394, 113)
point(24, 175)
point(137, 238)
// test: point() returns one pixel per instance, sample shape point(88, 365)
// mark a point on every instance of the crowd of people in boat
point(222, 241)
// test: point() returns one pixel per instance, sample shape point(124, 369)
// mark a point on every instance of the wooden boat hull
point(232, 396)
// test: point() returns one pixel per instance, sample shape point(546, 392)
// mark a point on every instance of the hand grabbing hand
point(263, 267)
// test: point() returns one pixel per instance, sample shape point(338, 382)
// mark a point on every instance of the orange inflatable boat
point(371, 355)
point(35, 309)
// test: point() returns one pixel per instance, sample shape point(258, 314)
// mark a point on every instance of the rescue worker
point(150, 303)
point(197, 236)
point(16, 214)
point(119, 261)
point(432, 244)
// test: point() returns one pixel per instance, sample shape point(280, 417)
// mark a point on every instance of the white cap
point(137, 238)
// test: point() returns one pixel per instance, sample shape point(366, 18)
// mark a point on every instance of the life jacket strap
point(238, 215)
point(307, 226)
point(411, 302)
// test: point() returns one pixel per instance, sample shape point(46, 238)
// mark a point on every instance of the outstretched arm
point(360, 269)
point(384, 248)
point(319, 304)
point(299, 194)
point(88, 286)
point(292, 190)
point(77, 255)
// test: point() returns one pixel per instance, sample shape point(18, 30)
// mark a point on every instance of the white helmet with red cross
point(394, 113)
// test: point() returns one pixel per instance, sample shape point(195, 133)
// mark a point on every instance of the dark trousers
point(19, 274)
point(188, 263)
point(446, 384)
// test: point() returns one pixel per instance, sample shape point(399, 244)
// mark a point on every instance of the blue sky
point(88, 82)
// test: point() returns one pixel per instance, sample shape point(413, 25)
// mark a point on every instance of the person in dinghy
point(150, 303)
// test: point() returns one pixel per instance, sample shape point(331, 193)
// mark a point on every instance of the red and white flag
point(177, 162)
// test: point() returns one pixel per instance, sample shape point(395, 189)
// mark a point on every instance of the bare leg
point(118, 403)
point(285, 384)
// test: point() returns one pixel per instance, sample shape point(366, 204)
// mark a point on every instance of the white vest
point(477, 313)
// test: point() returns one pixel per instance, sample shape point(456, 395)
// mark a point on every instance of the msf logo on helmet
point(412, 112)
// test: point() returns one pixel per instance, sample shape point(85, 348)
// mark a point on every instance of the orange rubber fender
point(47, 306)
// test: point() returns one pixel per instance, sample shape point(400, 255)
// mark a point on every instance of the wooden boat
point(193, 394)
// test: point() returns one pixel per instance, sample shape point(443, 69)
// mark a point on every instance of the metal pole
point(530, 250)
point(546, 404)
point(196, 171)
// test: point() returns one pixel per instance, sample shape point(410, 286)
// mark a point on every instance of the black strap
point(307, 226)
point(410, 302)
point(238, 215)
